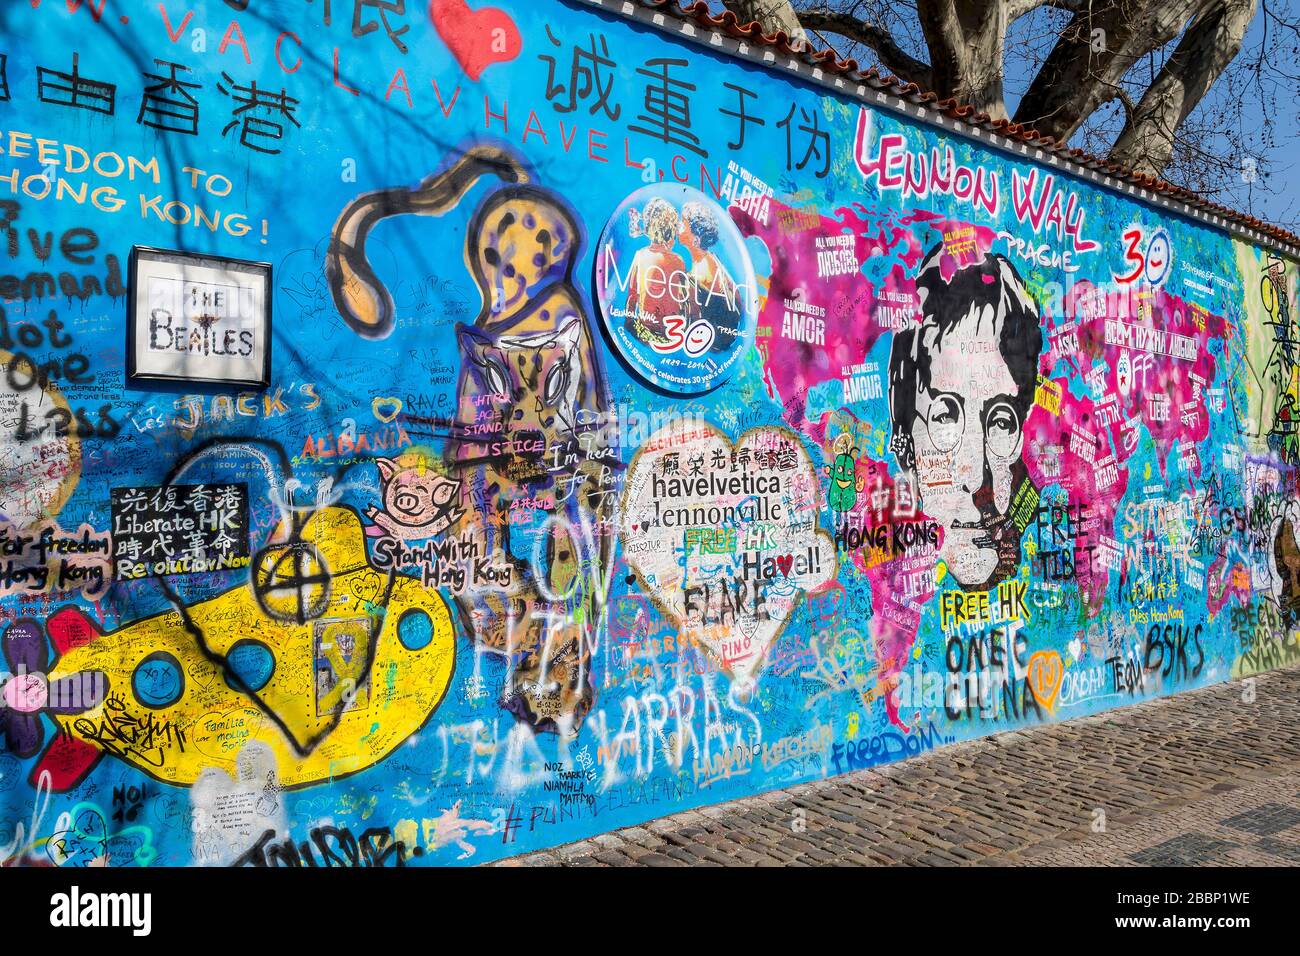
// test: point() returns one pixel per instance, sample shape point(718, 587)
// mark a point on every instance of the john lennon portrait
point(961, 384)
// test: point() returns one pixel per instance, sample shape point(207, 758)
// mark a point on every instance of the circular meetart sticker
point(677, 289)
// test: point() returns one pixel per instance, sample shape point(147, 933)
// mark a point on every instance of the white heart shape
point(725, 537)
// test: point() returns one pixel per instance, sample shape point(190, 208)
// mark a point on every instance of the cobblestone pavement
point(1201, 778)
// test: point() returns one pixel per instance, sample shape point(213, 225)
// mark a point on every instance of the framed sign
point(198, 318)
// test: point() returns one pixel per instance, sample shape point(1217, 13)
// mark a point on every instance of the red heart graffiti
point(476, 38)
point(785, 562)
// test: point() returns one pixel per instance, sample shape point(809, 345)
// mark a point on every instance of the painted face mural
point(419, 501)
point(614, 460)
point(845, 483)
point(961, 386)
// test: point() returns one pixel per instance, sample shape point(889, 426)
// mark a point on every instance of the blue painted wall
point(644, 429)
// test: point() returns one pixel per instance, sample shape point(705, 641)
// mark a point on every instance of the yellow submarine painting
point(329, 662)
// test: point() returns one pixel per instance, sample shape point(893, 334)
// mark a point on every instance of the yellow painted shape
point(211, 721)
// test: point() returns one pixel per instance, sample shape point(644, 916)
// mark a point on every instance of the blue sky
point(1284, 206)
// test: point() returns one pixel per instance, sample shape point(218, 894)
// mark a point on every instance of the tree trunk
point(1093, 54)
point(1209, 45)
point(891, 56)
point(966, 38)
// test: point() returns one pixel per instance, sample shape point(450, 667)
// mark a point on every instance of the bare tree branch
point(892, 57)
point(1094, 52)
point(1209, 44)
point(1019, 8)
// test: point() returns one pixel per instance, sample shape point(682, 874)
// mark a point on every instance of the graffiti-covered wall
point(629, 422)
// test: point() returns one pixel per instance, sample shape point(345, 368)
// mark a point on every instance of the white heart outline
point(675, 435)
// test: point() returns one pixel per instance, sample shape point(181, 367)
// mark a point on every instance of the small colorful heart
point(386, 409)
point(366, 590)
point(476, 38)
point(1045, 672)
